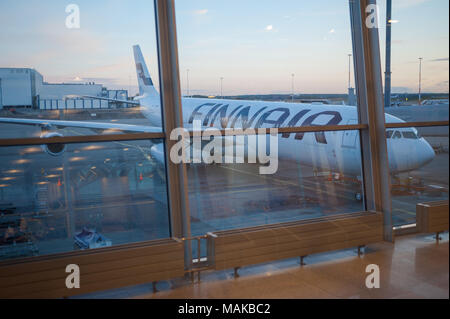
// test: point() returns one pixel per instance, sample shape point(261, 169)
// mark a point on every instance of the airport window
point(229, 74)
point(68, 73)
point(419, 68)
point(104, 182)
point(416, 93)
point(419, 171)
point(306, 185)
point(92, 196)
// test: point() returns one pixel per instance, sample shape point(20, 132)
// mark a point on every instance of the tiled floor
point(414, 267)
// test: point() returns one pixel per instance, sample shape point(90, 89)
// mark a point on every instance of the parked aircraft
point(337, 151)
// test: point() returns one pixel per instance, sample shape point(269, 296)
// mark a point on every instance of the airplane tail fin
point(144, 80)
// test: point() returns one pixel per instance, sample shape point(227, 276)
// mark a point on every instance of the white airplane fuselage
point(336, 151)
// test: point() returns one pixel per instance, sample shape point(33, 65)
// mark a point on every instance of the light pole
point(293, 76)
point(349, 70)
point(129, 84)
point(221, 87)
point(187, 78)
point(420, 81)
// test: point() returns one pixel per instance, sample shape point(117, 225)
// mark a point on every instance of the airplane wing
point(111, 100)
point(83, 124)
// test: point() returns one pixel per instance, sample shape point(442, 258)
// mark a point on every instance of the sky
point(254, 45)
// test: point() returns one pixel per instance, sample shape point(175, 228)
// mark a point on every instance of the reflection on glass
point(89, 196)
point(418, 162)
point(77, 78)
point(313, 180)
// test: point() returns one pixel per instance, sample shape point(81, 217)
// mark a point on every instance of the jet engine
point(53, 149)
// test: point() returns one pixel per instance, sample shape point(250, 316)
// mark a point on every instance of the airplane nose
point(427, 153)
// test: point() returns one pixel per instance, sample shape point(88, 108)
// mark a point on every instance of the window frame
point(371, 131)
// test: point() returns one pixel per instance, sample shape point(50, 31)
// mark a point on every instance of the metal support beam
point(302, 261)
point(172, 118)
point(387, 75)
point(369, 88)
point(420, 81)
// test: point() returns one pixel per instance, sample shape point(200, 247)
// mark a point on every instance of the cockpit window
point(405, 134)
point(410, 135)
point(397, 135)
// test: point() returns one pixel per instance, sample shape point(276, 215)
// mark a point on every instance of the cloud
point(440, 60)
point(441, 86)
point(400, 89)
point(201, 11)
point(331, 33)
point(269, 27)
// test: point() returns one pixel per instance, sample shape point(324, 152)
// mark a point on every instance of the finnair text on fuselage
point(241, 116)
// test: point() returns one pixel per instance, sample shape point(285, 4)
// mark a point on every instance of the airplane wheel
point(358, 196)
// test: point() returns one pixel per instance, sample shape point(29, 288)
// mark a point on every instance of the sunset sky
point(255, 45)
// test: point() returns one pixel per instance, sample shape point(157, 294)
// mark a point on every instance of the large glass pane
point(418, 160)
point(261, 50)
point(259, 64)
point(311, 180)
point(87, 63)
point(89, 196)
point(419, 59)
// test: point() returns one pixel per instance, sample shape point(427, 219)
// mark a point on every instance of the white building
point(18, 86)
point(24, 87)
point(60, 91)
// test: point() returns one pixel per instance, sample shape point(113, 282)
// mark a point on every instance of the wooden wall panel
point(432, 217)
point(239, 248)
point(101, 269)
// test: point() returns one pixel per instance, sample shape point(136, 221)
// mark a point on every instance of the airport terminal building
point(255, 161)
point(23, 87)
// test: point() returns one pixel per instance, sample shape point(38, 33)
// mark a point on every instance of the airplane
point(337, 151)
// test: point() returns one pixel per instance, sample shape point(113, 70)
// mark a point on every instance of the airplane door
point(349, 137)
